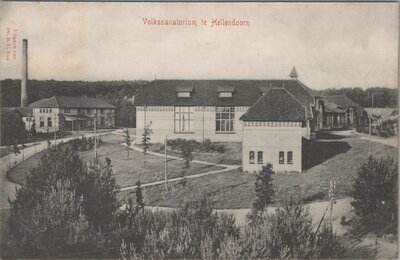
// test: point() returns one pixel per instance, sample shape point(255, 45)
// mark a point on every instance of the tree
point(12, 128)
point(187, 149)
point(64, 205)
point(264, 188)
point(146, 139)
point(32, 131)
point(139, 196)
point(127, 140)
point(374, 195)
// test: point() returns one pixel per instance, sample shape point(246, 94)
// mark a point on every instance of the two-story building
point(211, 109)
point(71, 113)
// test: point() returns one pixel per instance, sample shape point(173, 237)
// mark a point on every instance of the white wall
point(271, 140)
point(162, 123)
point(54, 118)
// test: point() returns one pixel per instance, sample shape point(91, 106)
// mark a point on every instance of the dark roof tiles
point(276, 105)
point(70, 102)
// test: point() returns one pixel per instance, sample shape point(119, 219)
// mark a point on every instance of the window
point(50, 110)
point(102, 111)
point(225, 94)
point(251, 157)
point(225, 118)
point(290, 157)
point(49, 122)
point(183, 119)
point(102, 121)
point(40, 110)
point(88, 111)
point(67, 110)
point(260, 157)
point(184, 94)
point(41, 122)
point(281, 157)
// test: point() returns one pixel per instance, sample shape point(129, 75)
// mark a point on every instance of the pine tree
point(146, 140)
point(33, 128)
point(264, 188)
point(127, 140)
point(139, 196)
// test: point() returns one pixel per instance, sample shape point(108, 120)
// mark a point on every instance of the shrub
point(193, 231)
point(286, 233)
point(64, 205)
point(374, 195)
point(264, 188)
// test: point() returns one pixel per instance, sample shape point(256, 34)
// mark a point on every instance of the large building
point(71, 113)
point(211, 109)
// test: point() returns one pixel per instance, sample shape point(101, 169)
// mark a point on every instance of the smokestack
point(24, 77)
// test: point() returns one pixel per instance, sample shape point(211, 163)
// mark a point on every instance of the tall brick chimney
point(24, 76)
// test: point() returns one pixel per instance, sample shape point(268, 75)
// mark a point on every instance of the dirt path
point(7, 188)
point(226, 168)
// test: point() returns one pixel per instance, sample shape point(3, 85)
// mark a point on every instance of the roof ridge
point(58, 103)
point(303, 86)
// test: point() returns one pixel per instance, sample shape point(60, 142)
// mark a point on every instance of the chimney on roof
point(24, 76)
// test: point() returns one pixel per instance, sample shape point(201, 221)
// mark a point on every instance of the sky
point(331, 44)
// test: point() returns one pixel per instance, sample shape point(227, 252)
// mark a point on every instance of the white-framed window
point(290, 157)
point(184, 94)
point(260, 157)
point(251, 157)
point(102, 111)
point(50, 110)
point(67, 110)
point(281, 157)
point(183, 119)
point(41, 121)
point(49, 122)
point(225, 119)
point(225, 94)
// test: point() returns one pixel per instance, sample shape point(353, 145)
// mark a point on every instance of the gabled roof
point(382, 113)
point(276, 105)
point(333, 108)
point(342, 101)
point(205, 92)
point(70, 102)
point(25, 111)
point(22, 111)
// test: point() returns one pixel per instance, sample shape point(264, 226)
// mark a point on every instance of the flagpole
point(165, 162)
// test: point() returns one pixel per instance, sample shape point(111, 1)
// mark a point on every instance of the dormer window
point(183, 94)
point(225, 94)
point(225, 91)
point(184, 91)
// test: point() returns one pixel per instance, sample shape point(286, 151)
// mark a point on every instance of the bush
point(286, 233)
point(193, 231)
point(374, 195)
point(205, 146)
point(65, 206)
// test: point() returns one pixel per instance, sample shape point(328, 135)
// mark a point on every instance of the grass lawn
point(232, 155)
point(127, 171)
point(236, 190)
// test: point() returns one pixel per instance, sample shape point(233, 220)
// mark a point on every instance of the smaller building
point(72, 113)
point(272, 132)
point(342, 112)
point(26, 114)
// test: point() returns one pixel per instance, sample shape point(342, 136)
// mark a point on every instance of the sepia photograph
point(199, 130)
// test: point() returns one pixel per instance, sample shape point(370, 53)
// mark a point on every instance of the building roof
point(22, 111)
point(70, 102)
point(205, 92)
point(382, 113)
point(25, 111)
point(333, 108)
point(276, 105)
point(341, 100)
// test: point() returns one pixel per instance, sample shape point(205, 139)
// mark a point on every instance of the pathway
point(7, 188)
point(225, 169)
